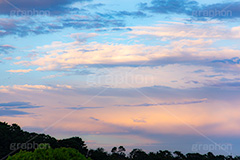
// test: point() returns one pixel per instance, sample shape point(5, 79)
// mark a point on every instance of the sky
point(150, 74)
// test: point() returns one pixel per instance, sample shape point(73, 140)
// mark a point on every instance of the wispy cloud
point(83, 37)
point(83, 108)
point(95, 119)
point(170, 30)
point(5, 49)
point(232, 61)
point(140, 120)
point(24, 26)
point(17, 105)
point(20, 71)
point(27, 87)
point(166, 103)
point(13, 108)
point(11, 113)
point(95, 6)
point(122, 14)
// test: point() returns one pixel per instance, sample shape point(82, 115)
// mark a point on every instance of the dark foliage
point(49, 154)
point(13, 139)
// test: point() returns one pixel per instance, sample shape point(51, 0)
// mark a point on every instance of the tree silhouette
point(179, 155)
point(74, 142)
point(167, 155)
point(121, 150)
point(114, 150)
point(138, 154)
point(98, 154)
point(77, 149)
point(118, 153)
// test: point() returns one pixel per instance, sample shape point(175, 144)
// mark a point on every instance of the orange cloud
point(20, 71)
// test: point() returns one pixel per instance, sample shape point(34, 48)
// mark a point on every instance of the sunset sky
point(150, 74)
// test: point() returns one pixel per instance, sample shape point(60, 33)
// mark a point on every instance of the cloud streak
point(83, 37)
point(5, 49)
point(18, 105)
point(95, 119)
point(27, 87)
point(167, 103)
point(12, 108)
point(20, 71)
point(83, 108)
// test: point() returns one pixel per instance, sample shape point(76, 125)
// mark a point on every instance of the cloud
point(90, 21)
point(221, 11)
point(157, 121)
point(141, 120)
point(84, 19)
point(121, 29)
point(95, 119)
point(12, 108)
point(83, 37)
point(170, 6)
point(108, 64)
point(227, 84)
point(232, 61)
point(31, 87)
point(14, 104)
point(134, 14)
point(24, 26)
point(167, 103)
point(82, 72)
point(8, 58)
point(83, 108)
point(86, 55)
point(95, 6)
point(171, 31)
point(20, 71)
point(123, 14)
point(5, 49)
point(27, 87)
point(199, 71)
point(17, 105)
point(66, 56)
point(55, 7)
point(11, 113)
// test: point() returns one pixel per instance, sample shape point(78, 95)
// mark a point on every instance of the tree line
point(18, 144)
